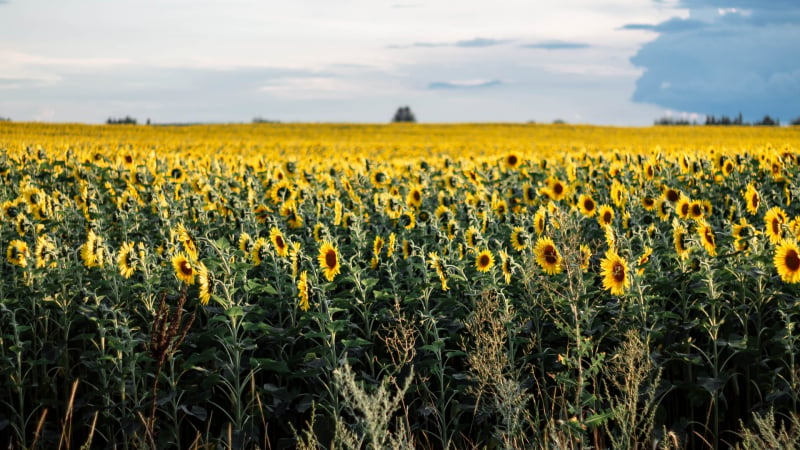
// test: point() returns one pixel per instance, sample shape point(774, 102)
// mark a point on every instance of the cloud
point(728, 57)
point(557, 45)
point(466, 84)
point(477, 42)
point(671, 25)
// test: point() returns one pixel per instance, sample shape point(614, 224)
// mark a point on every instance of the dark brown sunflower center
point(754, 201)
point(588, 204)
point(512, 160)
point(185, 268)
point(483, 261)
point(684, 209)
point(279, 242)
point(618, 272)
point(550, 255)
point(776, 226)
point(607, 217)
point(330, 259)
point(697, 210)
point(417, 196)
point(792, 260)
point(672, 195)
point(649, 201)
point(558, 188)
point(709, 236)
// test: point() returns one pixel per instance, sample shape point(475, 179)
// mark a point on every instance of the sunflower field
point(399, 286)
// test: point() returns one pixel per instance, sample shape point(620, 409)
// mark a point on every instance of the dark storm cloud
point(557, 45)
point(728, 57)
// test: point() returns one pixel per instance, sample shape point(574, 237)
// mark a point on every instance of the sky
point(608, 62)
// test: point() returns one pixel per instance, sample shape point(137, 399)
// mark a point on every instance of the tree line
point(766, 121)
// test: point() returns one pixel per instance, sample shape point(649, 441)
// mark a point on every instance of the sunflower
point(203, 283)
point(183, 268)
point(672, 195)
point(643, 260)
point(379, 178)
point(506, 266)
point(17, 253)
point(88, 250)
point(751, 199)
point(187, 242)
point(512, 160)
point(278, 242)
point(281, 192)
point(329, 260)
point(540, 220)
point(293, 217)
point(406, 247)
point(472, 237)
point(484, 261)
point(294, 258)
point(437, 264)
point(587, 205)
point(245, 243)
point(614, 271)
point(390, 245)
point(707, 238)
point(259, 251)
point(663, 209)
point(679, 240)
point(408, 220)
point(682, 207)
point(302, 291)
point(377, 246)
point(519, 239)
point(648, 203)
point(619, 194)
point(556, 189)
point(318, 232)
point(337, 213)
point(414, 197)
point(696, 209)
point(728, 167)
point(529, 193)
point(125, 260)
point(547, 256)
point(787, 261)
point(44, 252)
point(773, 223)
point(586, 257)
point(605, 215)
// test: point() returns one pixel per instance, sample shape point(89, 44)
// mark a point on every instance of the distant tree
point(768, 121)
point(673, 121)
point(127, 120)
point(795, 121)
point(404, 114)
point(262, 120)
point(559, 122)
point(148, 121)
point(5, 119)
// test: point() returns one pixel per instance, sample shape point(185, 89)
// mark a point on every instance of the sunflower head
point(787, 261)
point(328, 259)
point(614, 271)
point(183, 268)
point(547, 256)
point(484, 261)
